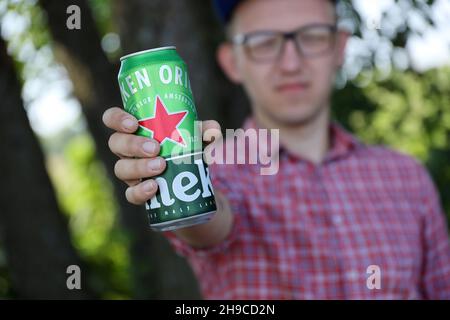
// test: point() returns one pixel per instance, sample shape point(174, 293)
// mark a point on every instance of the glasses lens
point(315, 40)
point(264, 46)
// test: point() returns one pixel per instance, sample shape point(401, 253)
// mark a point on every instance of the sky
point(51, 108)
point(430, 51)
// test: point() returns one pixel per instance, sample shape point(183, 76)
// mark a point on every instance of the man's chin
point(294, 122)
point(294, 117)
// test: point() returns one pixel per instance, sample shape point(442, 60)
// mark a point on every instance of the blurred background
point(60, 204)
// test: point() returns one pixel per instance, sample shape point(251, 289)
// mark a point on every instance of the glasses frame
point(242, 39)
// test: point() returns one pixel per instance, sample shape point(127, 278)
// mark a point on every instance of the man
point(340, 220)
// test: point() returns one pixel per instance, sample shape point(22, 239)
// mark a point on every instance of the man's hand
point(139, 159)
point(138, 155)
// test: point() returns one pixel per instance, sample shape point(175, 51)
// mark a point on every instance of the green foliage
point(102, 13)
point(409, 112)
point(31, 35)
point(86, 195)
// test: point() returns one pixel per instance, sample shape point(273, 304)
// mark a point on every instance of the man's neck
point(309, 140)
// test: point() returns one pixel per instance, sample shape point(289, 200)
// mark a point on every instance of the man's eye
point(313, 38)
point(263, 42)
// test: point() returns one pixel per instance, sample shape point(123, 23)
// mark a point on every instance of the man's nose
point(291, 58)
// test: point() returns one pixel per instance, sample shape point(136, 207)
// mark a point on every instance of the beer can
point(155, 89)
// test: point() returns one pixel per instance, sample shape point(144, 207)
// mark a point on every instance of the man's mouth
point(293, 87)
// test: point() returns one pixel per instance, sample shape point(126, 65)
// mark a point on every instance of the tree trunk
point(192, 27)
point(34, 231)
point(158, 271)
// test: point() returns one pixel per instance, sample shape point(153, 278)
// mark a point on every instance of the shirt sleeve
point(221, 179)
point(436, 268)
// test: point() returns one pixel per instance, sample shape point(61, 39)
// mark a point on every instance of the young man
point(340, 220)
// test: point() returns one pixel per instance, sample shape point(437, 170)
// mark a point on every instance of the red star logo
point(164, 125)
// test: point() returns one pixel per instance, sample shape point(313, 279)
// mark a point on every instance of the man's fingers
point(142, 192)
point(119, 120)
point(132, 169)
point(130, 145)
point(132, 183)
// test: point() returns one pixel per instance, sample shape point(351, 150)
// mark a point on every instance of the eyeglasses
point(267, 46)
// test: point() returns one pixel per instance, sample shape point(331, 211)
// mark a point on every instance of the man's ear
point(227, 61)
point(341, 45)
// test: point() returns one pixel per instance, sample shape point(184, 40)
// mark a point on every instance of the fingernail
point(149, 186)
point(155, 164)
point(128, 123)
point(149, 147)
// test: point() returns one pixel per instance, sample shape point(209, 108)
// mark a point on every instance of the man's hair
point(225, 9)
point(226, 13)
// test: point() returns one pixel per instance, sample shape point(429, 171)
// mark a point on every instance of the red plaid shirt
point(311, 231)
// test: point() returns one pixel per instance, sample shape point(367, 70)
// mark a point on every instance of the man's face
point(293, 88)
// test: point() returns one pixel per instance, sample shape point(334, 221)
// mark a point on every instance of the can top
point(146, 51)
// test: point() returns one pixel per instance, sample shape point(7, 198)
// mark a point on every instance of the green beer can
point(155, 89)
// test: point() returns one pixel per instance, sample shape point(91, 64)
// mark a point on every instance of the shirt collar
point(343, 143)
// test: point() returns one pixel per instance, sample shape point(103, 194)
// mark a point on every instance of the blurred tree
point(86, 196)
point(156, 270)
point(34, 232)
point(380, 38)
